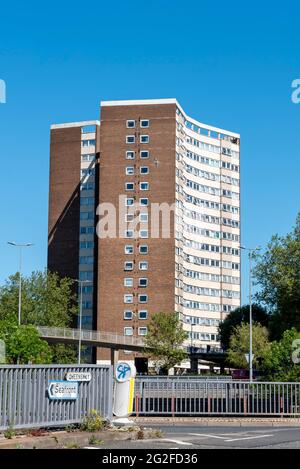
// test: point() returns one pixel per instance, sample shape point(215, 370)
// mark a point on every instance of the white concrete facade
point(207, 227)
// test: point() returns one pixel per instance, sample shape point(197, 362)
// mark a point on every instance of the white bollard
point(124, 393)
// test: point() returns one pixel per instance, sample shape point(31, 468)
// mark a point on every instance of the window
point(130, 155)
point(144, 154)
point(143, 217)
point(86, 215)
point(142, 330)
point(87, 289)
point(143, 282)
point(128, 265)
point(86, 260)
point(128, 234)
point(129, 186)
point(88, 172)
point(143, 249)
point(86, 245)
point(87, 186)
point(128, 331)
point(144, 170)
point(128, 314)
point(87, 304)
point(144, 201)
point(129, 217)
point(128, 282)
point(129, 170)
point(129, 249)
point(144, 123)
point(130, 124)
point(87, 200)
point(86, 230)
point(88, 157)
point(143, 233)
point(143, 265)
point(86, 275)
point(129, 201)
point(143, 139)
point(130, 139)
point(143, 298)
point(87, 143)
point(128, 298)
point(143, 314)
point(144, 186)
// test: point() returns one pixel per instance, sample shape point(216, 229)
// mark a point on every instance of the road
point(200, 437)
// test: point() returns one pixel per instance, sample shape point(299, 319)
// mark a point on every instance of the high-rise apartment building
point(145, 204)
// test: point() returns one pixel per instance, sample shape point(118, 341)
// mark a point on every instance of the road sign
point(123, 372)
point(78, 376)
point(64, 390)
point(247, 356)
point(124, 389)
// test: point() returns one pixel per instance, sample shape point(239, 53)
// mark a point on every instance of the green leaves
point(240, 344)
point(23, 344)
point(237, 317)
point(277, 273)
point(278, 364)
point(165, 338)
point(47, 300)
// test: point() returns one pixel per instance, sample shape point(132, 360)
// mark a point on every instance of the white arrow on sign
point(247, 356)
point(65, 390)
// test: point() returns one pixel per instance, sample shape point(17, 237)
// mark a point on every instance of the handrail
point(91, 335)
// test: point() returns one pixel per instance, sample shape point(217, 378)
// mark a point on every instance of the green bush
point(93, 422)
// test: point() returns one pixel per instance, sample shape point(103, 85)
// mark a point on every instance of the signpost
point(63, 390)
point(247, 356)
point(124, 391)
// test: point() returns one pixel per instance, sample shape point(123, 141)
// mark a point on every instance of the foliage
point(95, 441)
point(165, 338)
point(239, 345)
point(277, 272)
point(23, 344)
point(239, 316)
point(9, 433)
point(93, 422)
point(47, 300)
point(278, 364)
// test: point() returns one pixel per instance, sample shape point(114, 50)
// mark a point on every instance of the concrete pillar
point(194, 364)
point(114, 357)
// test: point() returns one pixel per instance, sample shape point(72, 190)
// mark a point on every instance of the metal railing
point(25, 403)
point(215, 397)
point(90, 336)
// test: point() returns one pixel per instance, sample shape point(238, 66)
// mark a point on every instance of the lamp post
point(80, 283)
point(250, 255)
point(20, 246)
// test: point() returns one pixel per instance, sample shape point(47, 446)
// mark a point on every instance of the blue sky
point(229, 64)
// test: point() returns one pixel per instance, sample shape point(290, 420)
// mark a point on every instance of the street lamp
point(251, 251)
point(20, 246)
point(80, 283)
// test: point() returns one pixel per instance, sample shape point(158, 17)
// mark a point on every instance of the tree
point(278, 363)
point(23, 344)
point(165, 338)
point(239, 345)
point(237, 317)
point(47, 300)
point(277, 272)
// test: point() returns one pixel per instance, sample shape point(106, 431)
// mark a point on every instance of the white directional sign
point(247, 356)
point(65, 390)
point(78, 376)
